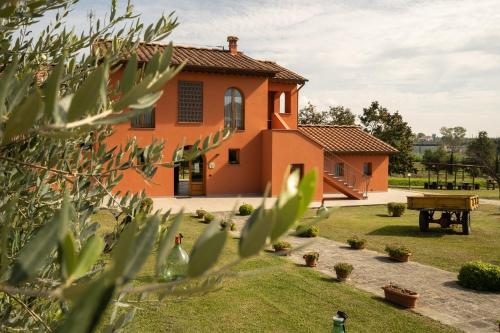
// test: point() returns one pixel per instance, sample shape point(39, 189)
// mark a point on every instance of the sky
point(437, 62)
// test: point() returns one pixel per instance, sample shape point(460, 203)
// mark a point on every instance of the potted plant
point(398, 252)
point(396, 209)
point(304, 230)
point(207, 217)
point(401, 296)
point(282, 247)
point(498, 323)
point(245, 209)
point(343, 270)
point(311, 259)
point(200, 213)
point(356, 243)
point(227, 223)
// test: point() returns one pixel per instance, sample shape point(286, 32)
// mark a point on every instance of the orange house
point(220, 88)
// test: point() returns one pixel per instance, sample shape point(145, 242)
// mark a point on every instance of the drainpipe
point(300, 87)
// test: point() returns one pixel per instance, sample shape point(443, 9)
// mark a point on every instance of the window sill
point(287, 114)
point(142, 128)
point(187, 123)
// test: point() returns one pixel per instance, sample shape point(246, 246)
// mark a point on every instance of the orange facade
point(267, 143)
point(264, 154)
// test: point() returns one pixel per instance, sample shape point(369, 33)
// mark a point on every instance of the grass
point(284, 298)
point(443, 248)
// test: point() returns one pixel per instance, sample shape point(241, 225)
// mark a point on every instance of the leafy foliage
point(343, 268)
point(245, 209)
point(335, 115)
point(304, 230)
point(396, 209)
point(282, 245)
point(484, 152)
point(395, 250)
point(57, 109)
point(452, 137)
point(480, 276)
point(356, 243)
point(390, 128)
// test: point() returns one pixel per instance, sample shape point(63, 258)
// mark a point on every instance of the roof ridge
point(329, 125)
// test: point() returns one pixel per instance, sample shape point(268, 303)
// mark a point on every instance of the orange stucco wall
point(380, 174)
point(285, 147)
point(257, 166)
point(291, 99)
point(224, 178)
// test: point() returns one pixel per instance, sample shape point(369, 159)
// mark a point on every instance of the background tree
point(339, 115)
point(483, 151)
point(452, 137)
point(335, 115)
point(56, 171)
point(309, 115)
point(390, 128)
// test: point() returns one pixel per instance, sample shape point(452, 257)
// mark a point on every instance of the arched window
point(282, 103)
point(234, 110)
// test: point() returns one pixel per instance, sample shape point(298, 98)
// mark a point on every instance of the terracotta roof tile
point(346, 139)
point(213, 60)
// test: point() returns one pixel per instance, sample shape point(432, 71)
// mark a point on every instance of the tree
point(335, 115)
point(390, 128)
point(484, 152)
point(339, 115)
point(452, 137)
point(309, 115)
point(56, 111)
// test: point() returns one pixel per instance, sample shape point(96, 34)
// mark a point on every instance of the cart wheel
point(423, 221)
point(466, 223)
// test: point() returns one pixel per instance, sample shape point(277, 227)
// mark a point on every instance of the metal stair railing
point(352, 178)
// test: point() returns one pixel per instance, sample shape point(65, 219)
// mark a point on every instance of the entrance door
point(197, 176)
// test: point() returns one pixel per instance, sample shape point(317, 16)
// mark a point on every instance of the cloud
point(436, 61)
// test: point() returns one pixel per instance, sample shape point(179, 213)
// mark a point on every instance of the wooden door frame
point(204, 186)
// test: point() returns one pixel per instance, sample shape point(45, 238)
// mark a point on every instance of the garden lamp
point(338, 322)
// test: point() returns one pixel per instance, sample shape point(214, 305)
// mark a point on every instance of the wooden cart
point(455, 209)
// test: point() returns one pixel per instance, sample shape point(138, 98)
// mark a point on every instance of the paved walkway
point(441, 298)
point(227, 203)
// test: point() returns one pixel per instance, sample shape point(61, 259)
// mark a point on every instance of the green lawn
point(287, 298)
point(444, 248)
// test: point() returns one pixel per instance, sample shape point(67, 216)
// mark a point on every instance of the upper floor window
point(367, 168)
point(190, 102)
point(144, 120)
point(282, 103)
point(234, 109)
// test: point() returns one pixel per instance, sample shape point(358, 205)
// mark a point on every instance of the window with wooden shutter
point(190, 102)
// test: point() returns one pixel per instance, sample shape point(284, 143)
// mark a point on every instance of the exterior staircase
point(344, 177)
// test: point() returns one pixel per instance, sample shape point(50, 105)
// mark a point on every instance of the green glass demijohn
point(176, 265)
point(339, 322)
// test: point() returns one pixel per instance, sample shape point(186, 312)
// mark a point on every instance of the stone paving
point(441, 298)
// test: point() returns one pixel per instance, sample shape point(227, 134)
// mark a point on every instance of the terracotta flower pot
point(311, 262)
point(358, 246)
point(402, 297)
point(342, 276)
point(282, 252)
point(402, 258)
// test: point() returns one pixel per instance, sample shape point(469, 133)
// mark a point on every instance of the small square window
point(367, 168)
point(234, 156)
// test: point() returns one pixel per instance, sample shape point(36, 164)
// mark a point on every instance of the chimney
point(233, 44)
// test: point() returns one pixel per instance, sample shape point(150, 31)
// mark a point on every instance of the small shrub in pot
point(311, 258)
point(200, 213)
point(396, 209)
point(228, 223)
point(356, 243)
point(401, 296)
point(207, 218)
point(282, 247)
point(304, 230)
point(246, 209)
point(398, 252)
point(343, 270)
point(479, 275)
